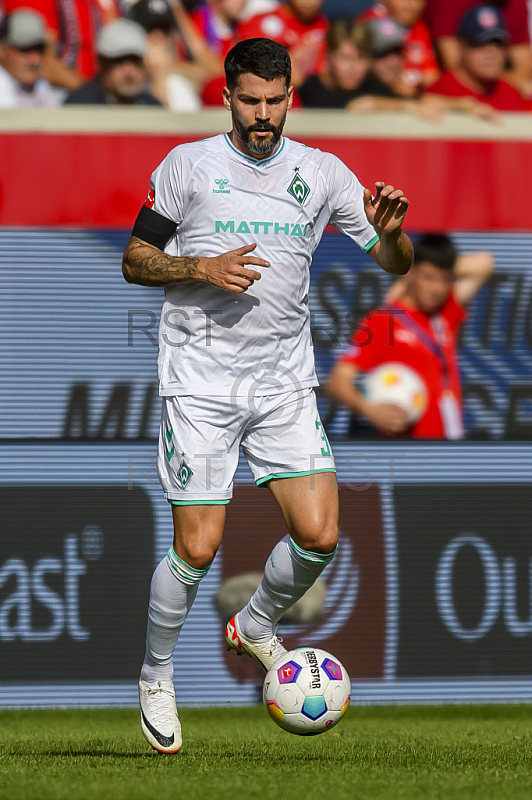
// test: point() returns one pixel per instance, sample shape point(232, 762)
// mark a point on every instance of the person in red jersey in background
point(72, 27)
point(217, 20)
point(428, 308)
point(216, 24)
point(300, 26)
point(443, 16)
point(420, 67)
point(483, 41)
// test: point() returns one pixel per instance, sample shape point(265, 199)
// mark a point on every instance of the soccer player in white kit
point(229, 228)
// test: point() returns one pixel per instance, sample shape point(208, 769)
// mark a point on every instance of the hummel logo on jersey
point(299, 189)
point(221, 184)
point(184, 474)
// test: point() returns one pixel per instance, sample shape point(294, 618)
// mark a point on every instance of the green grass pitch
point(384, 753)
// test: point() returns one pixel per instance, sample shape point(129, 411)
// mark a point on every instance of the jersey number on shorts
point(325, 451)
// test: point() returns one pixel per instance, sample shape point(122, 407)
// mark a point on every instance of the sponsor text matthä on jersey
point(275, 228)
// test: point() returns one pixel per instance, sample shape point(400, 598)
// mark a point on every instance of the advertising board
point(465, 579)
point(79, 345)
point(428, 598)
point(76, 563)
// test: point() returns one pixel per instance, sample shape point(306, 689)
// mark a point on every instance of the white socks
point(173, 589)
point(288, 573)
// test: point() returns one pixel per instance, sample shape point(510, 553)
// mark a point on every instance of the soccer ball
point(307, 691)
point(398, 384)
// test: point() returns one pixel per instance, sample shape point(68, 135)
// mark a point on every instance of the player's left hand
point(386, 211)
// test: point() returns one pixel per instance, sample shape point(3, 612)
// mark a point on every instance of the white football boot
point(264, 651)
point(158, 716)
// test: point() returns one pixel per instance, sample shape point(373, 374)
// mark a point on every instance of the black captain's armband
point(153, 228)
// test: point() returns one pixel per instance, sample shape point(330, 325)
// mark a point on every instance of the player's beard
point(259, 146)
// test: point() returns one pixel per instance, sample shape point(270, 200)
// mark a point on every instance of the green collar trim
point(257, 161)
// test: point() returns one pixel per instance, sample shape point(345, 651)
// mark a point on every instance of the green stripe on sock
point(309, 555)
point(183, 570)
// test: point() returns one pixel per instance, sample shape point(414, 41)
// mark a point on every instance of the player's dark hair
point(261, 57)
point(437, 249)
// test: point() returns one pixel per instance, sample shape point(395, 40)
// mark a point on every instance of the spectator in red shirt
point(428, 309)
point(483, 45)
point(217, 21)
point(420, 67)
point(300, 26)
point(443, 16)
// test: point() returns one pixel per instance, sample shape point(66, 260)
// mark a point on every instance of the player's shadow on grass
point(273, 754)
point(63, 752)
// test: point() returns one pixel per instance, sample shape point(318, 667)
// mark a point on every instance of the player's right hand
point(388, 418)
point(229, 271)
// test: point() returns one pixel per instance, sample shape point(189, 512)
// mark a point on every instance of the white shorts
point(281, 436)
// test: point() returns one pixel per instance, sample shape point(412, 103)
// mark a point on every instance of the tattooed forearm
point(148, 266)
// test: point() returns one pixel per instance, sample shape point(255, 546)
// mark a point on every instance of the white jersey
point(216, 342)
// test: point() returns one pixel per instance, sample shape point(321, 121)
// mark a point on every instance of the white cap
point(24, 29)
point(121, 38)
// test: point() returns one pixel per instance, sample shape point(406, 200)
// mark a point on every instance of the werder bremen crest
point(184, 474)
point(299, 189)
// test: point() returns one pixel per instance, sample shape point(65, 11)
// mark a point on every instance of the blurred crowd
point(422, 57)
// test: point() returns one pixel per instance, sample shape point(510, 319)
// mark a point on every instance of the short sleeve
point(346, 199)
point(369, 342)
point(453, 312)
point(166, 188)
